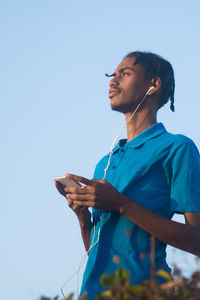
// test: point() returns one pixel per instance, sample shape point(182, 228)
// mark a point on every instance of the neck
point(141, 121)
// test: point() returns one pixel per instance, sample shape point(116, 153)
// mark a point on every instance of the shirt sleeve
point(185, 183)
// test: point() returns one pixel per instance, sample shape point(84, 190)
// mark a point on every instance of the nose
point(113, 82)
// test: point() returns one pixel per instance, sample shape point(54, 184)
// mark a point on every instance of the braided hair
point(155, 65)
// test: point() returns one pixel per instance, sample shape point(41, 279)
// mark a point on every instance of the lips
point(113, 92)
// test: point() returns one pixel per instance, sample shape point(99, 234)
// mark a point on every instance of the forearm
point(85, 231)
point(182, 236)
point(100, 194)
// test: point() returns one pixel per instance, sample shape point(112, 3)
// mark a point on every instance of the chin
point(115, 105)
point(119, 107)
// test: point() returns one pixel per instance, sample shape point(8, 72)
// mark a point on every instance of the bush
point(117, 287)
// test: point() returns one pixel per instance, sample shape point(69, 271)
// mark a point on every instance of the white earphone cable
point(120, 131)
point(81, 263)
point(114, 142)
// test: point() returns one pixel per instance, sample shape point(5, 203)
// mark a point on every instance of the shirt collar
point(147, 134)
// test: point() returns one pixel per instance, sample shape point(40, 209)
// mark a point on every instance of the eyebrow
point(120, 71)
point(125, 68)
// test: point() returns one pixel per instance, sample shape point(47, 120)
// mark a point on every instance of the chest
point(140, 169)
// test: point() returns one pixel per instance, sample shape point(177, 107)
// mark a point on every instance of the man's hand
point(82, 212)
point(95, 193)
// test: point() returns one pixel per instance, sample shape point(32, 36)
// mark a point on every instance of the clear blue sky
point(55, 117)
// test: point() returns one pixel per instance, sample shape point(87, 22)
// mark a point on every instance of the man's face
point(128, 86)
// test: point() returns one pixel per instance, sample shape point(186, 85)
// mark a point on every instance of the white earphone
point(150, 89)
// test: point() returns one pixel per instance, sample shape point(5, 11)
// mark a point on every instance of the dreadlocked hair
point(156, 66)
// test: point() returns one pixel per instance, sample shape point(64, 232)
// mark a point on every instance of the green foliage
point(117, 287)
point(56, 298)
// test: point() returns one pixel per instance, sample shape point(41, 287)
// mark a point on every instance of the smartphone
point(67, 182)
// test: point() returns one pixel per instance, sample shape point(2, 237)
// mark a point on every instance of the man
point(147, 178)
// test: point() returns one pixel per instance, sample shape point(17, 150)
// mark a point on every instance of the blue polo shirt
point(158, 170)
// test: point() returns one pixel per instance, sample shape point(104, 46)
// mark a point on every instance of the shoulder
point(178, 141)
point(170, 147)
point(183, 149)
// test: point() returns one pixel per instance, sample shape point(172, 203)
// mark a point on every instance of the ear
point(156, 84)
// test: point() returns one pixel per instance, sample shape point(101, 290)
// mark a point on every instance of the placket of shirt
point(117, 159)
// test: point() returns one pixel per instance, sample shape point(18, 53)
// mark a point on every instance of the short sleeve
point(185, 180)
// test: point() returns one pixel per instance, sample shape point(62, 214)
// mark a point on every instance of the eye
point(125, 73)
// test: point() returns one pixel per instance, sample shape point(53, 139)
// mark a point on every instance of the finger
point(99, 181)
point(84, 203)
point(73, 206)
point(74, 190)
point(79, 179)
point(78, 197)
point(70, 202)
point(60, 188)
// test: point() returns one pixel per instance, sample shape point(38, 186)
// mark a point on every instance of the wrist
point(85, 219)
point(85, 224)
point(125, 204)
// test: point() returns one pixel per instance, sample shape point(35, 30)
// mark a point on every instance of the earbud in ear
point(150, 89)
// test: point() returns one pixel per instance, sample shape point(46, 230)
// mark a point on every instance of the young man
point(149, 176)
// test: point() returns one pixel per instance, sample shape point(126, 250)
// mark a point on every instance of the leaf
point(69, 297)
point(135, 289)
point(107, 294)
point(164, 274)
point(123, 275)
point(105, 280)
